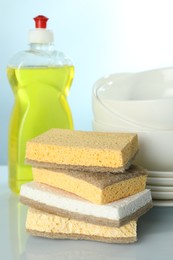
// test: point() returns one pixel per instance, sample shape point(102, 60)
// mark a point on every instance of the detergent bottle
point(40, 78)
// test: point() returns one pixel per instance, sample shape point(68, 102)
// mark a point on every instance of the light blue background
point(101, 37)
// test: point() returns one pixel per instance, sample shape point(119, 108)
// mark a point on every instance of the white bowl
point(156, 147)
point(104, 115)
point(142, 99)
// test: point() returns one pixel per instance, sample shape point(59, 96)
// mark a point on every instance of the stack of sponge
point(85, 186)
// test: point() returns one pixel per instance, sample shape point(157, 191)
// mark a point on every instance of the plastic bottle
point(40, 78)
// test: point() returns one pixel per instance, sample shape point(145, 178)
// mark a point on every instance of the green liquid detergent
point(40, 79)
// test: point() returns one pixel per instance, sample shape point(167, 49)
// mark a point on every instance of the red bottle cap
point(41, 21)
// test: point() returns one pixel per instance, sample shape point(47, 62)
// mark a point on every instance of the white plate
point(160, 174)
point(161, 195)
point(163, 203)
point(160, 188)
point(160, 181)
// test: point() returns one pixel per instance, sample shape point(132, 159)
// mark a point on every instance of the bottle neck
point(41, 46)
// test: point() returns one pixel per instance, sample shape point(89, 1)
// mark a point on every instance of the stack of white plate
point(141, 103)
point(161, 186)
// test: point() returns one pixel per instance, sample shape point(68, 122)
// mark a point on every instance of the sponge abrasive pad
point(97, 188)
point(53, 226)
point(59, 148)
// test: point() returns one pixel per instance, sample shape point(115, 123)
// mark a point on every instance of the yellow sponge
point(99, 188)
point(44, 224)
point(84, 151)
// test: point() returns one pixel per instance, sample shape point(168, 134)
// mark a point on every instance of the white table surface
point(155, 236)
